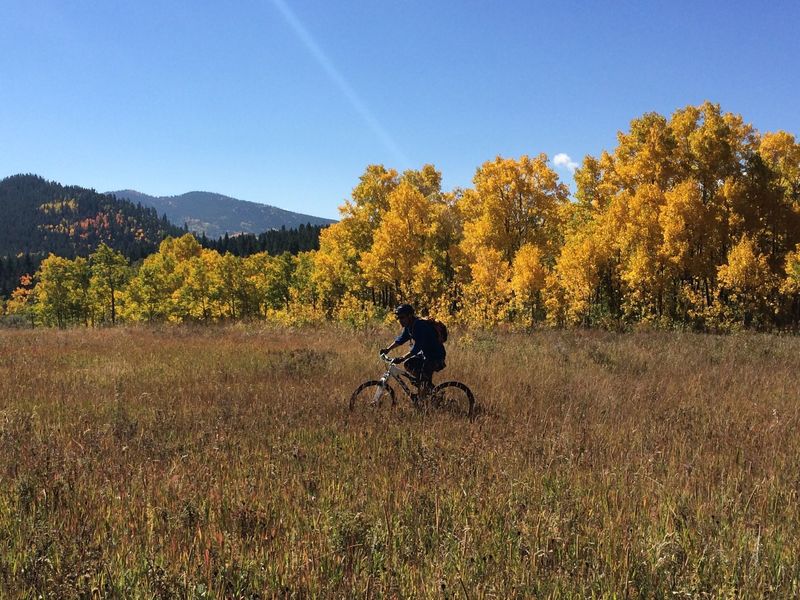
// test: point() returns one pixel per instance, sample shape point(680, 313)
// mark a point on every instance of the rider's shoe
point(425, 389)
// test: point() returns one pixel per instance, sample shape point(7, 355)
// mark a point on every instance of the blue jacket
point(426, 340)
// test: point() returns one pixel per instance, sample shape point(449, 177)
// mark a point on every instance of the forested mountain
point(40, 216)
point(215, 215)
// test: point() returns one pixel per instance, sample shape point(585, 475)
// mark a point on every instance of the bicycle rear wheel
point(454, 397)
point(372, 395)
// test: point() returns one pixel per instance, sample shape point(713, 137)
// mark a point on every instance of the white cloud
point(563, 160)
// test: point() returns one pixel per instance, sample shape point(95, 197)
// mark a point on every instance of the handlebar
point(385, 358)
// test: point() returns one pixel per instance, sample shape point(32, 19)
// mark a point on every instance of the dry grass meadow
point(183, 462)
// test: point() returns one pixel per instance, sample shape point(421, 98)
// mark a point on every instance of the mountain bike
point(451, 396)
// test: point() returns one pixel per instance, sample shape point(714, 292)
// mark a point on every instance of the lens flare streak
point(346, 89)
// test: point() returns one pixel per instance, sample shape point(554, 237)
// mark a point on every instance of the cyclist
point(427, 354)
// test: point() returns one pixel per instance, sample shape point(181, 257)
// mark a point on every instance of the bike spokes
point(374, 395)
point(454, 398)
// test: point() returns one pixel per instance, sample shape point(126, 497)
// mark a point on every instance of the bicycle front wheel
point(372, 395)
point(454, 397)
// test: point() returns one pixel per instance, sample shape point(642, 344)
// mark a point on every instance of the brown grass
point(222, 462)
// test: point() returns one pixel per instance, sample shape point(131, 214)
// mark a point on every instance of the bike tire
point(366, 396)
point(454, 397)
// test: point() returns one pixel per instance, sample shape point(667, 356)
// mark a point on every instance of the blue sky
point(287, 101)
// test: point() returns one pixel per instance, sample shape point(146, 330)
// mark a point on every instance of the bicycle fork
point(376, 400)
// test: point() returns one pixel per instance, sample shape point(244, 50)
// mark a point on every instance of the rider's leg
point(426, 375)
point(429, 367)
point(414, 366)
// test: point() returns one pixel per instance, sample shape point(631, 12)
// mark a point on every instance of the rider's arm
point(399, 341)
point(398, 359)
point(412, 352)
point(406, 356)
point(390, 348)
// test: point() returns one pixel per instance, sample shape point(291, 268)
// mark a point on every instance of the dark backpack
point(441, 330)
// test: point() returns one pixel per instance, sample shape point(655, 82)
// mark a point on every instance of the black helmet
point(404, 309)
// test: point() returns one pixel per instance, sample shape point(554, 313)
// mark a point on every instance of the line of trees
point(692, 220)
point(181, 282)
point(275, 241)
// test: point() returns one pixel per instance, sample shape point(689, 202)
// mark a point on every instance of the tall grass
point(222, 462)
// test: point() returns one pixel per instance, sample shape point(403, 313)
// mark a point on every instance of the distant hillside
point(39, 217)
point(215, 215)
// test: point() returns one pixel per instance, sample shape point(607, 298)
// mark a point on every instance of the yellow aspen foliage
point(428, 181)
point(160, 291)
point(487, 294)
point(81, 292)
point(371, 195)
point(527, 280)
point(514, 202)
point(149, 292)
point(738, 215)
point(646, 283)
point(22, 301)
point(180, 249)
point(302, 289)
point(338, 263)
point(688, 231)
point(713, 145)
point(336, 268)
point(632, 219)
point(596, 184)
point(427, 283)
point(286, 289)
point(110, 273)
point(554, 297)
point(197, 298)
point(633, 229)
point(747, 284)
point(644, 153)
point(54, 291)
point(236, 292)
point(270, 280)
point(369, 200)
point(791, 283)
point(404, 239)
point(355, 312)
point(61, 295)
point(575, 282)
point(589, 182)
point(448, 236)
point(671, 200)
point(781, 151)
point(790, 286)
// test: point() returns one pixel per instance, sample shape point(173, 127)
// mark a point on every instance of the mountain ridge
point(215, 214)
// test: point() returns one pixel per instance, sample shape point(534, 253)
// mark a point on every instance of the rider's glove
point(383, 351)
point(397, 360)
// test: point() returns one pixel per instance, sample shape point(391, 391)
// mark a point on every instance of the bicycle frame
point(397, 374)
